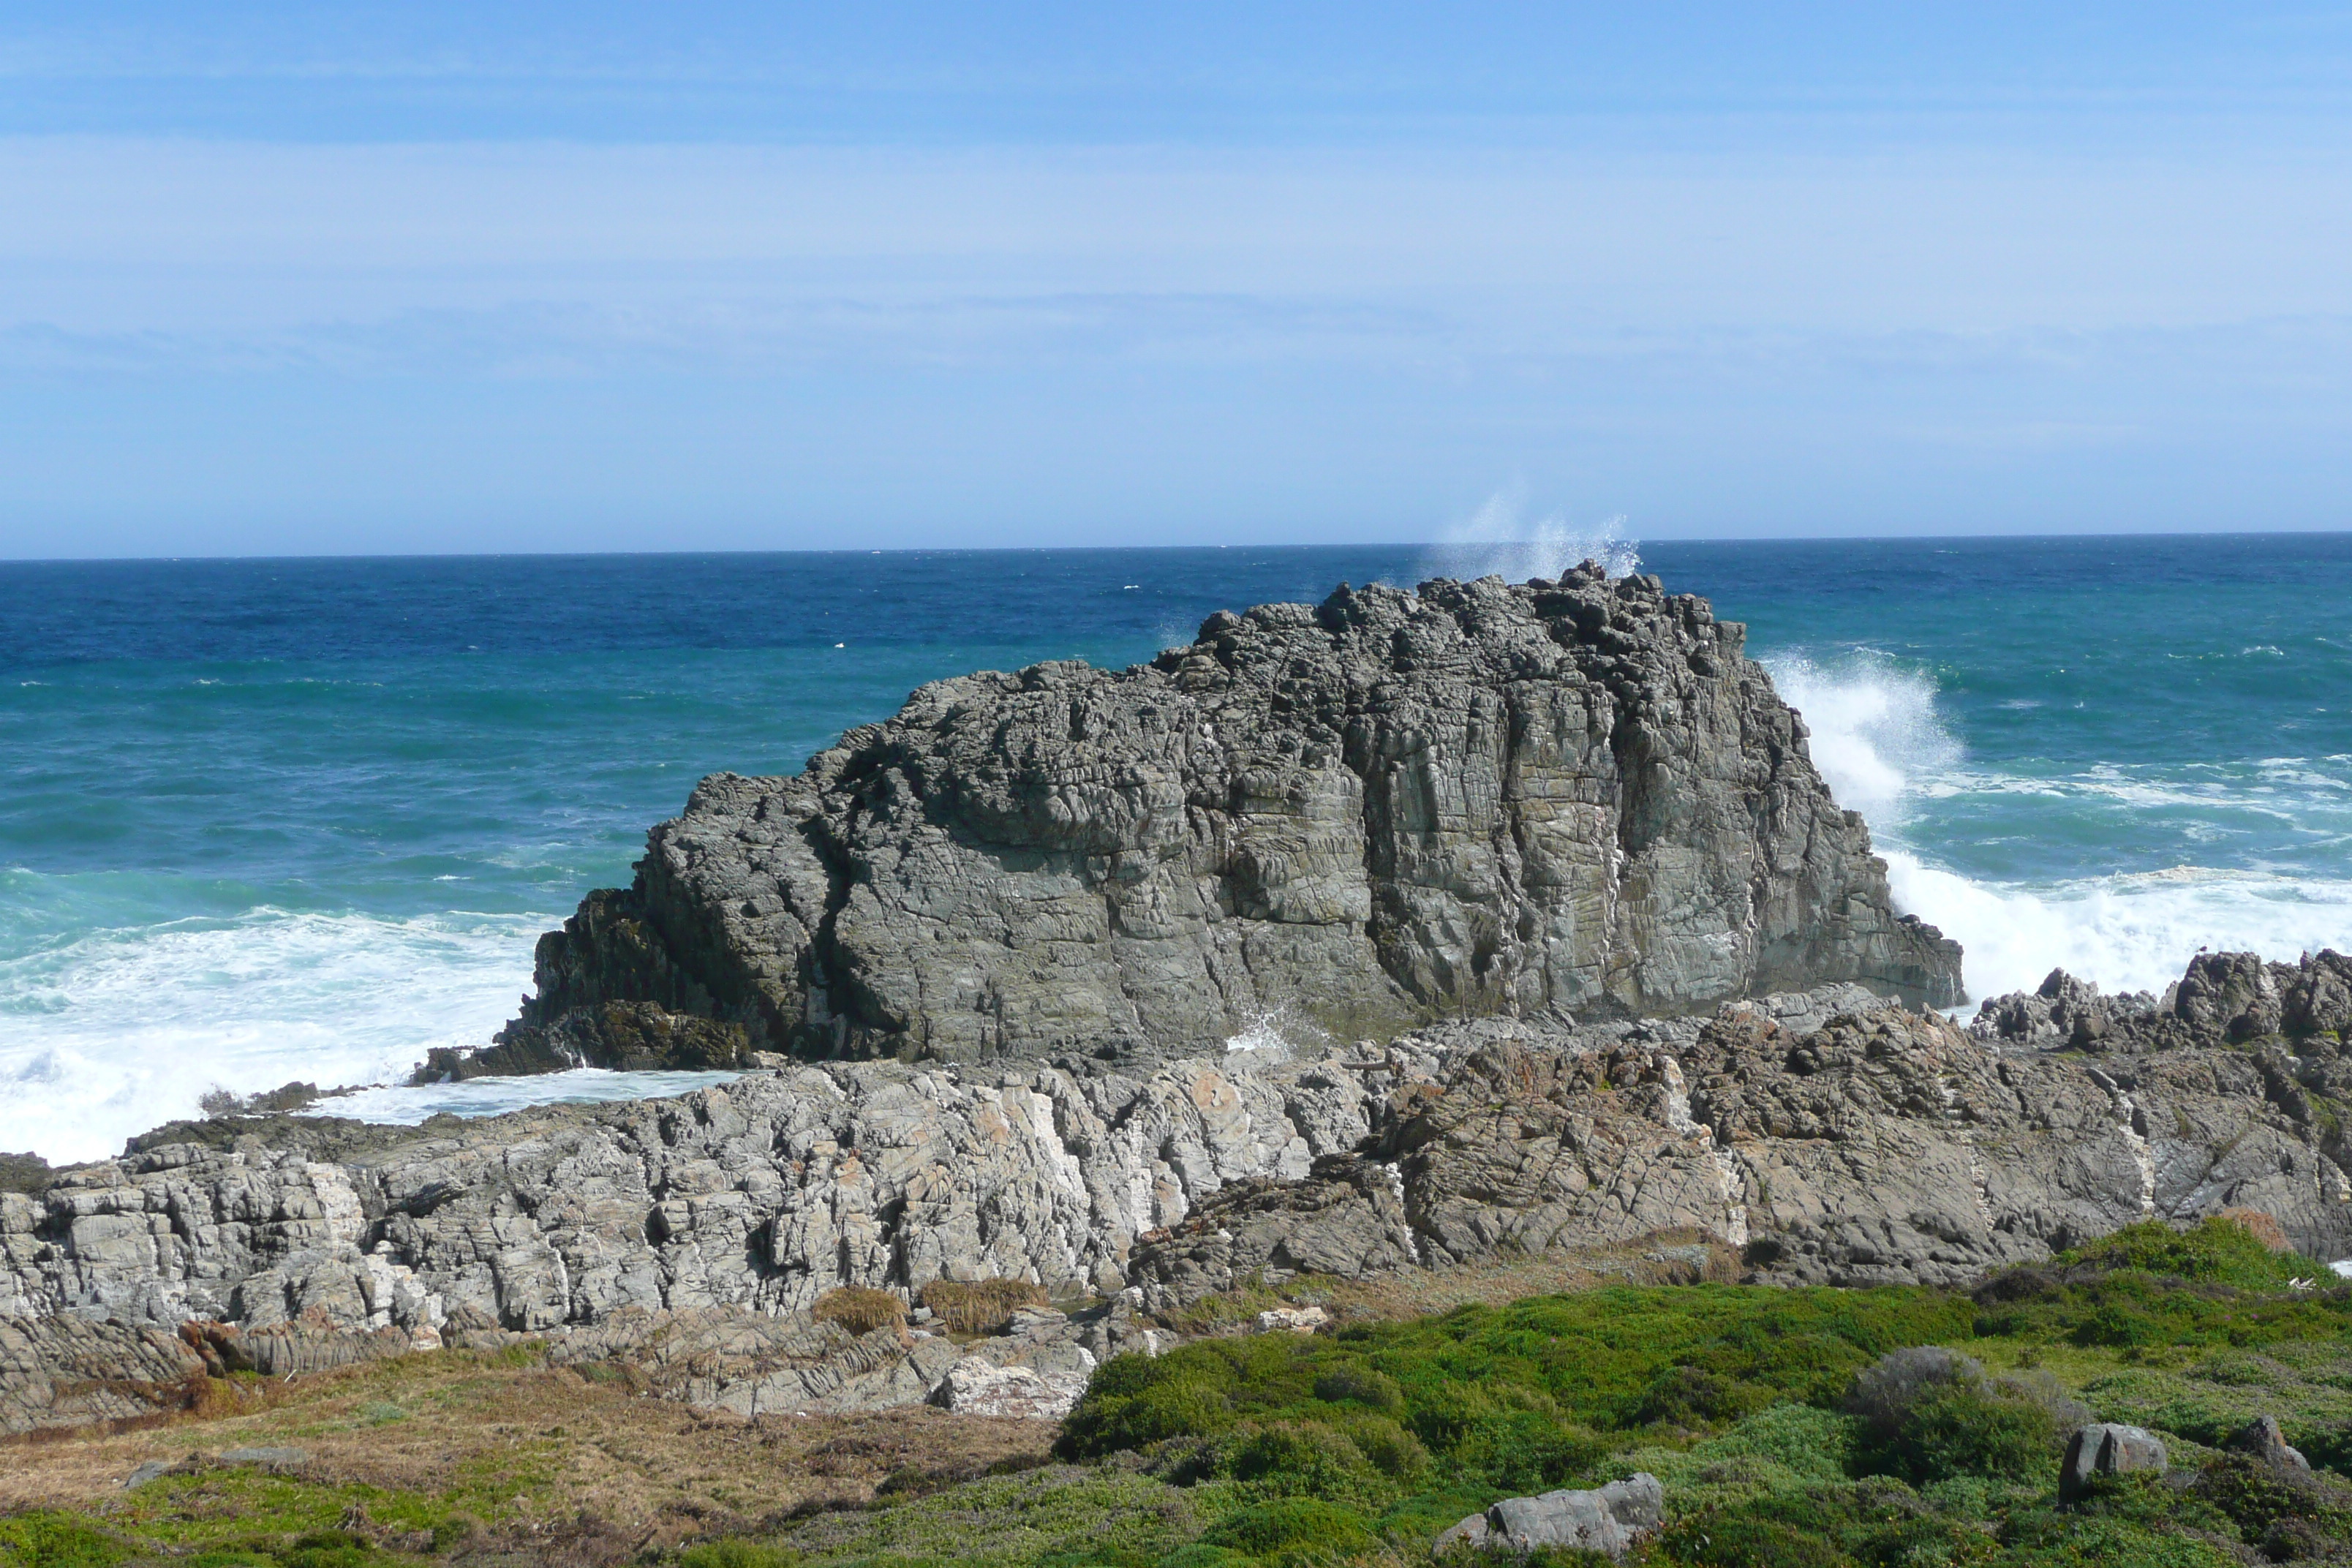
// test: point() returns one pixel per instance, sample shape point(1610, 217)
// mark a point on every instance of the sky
point(283, 278)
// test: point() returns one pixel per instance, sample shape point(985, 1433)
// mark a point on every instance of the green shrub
point(1520, 1452)
point(1301, 1460)
point(2047, 1539)
point(45, 1540)
point(1929, 1414)
point(328, 1548)
point(1971, 1429)
point(1357, 1385)
point(1304, 1526)
point(1732, 1540)
point(2255, 1498)
point(735, 1553)
point(1803, 1440)
point(1385, 1446)
point(1134, 1401)
point(1692, 1396)
point(2214, 1251)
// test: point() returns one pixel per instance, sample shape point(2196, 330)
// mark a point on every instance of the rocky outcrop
point(1832, 1137)
point(1357, 816)
point(1882, 1147)
point(2222, 999)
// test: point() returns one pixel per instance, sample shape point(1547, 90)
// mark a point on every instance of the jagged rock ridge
point(1394, 807)
point(1829, 1137)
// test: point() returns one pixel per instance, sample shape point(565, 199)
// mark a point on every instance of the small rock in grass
point(2261, 1439)
point(272, 1459)
point(1611, 1519)
point(2107, 1449)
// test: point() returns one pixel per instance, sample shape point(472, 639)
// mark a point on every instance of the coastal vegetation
point(1890, 1425)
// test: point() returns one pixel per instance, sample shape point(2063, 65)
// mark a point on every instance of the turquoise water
point(263, 820)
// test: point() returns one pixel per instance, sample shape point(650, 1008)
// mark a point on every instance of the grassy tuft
point(980, 1305)
point(859, 1310)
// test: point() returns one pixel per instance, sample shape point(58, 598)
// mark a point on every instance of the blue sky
point(281, 278)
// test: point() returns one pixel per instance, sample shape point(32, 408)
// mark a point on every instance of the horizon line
point(1633, 540)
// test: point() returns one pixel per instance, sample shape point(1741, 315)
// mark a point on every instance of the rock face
point(1387, 809)
point(1881, 1147)
point(1832, 1137)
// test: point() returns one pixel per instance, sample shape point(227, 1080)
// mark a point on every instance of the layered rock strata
point(1362, 816)
point(1832, 1137)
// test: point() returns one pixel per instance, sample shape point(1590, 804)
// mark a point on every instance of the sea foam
point(1885, 750)
point(125, 1027)
point(406, 1105)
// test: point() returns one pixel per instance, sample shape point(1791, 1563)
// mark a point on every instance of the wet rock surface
point(1358, 816)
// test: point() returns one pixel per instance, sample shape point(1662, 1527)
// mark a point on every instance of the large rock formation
point(1391, 808)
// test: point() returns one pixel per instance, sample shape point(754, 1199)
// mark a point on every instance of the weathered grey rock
point(58, 1371)
point(624, 1037)
point(153, 1469)
point(1471, 1531)
point(1882, 1147)
point(1355, 816)
point(2107, 1449)
point(1292, 1320)
point(2062, 1012)
point(2262, 1439)
point(977, 1386)
point(1610, 1520)
point(2223, 998)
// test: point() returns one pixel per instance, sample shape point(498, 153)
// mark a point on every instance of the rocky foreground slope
point(1830, 1137)
point(1364, 816)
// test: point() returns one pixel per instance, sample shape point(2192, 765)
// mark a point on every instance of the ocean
point(267, 820)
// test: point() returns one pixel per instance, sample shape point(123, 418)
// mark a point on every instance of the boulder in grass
point(977, 1386)
point(2107, 1448)
point(2262, 1439)
point(1292, 1320)
point(1610, 1520)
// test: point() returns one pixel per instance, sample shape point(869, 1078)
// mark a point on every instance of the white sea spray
point(1499, 538)
point(1883, 745)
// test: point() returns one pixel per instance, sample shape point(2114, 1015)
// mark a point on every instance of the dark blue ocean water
point(277, 818)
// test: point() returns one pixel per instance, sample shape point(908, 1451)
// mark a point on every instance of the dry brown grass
point(859, 1310)
point(643, 1472)
point(1689, 1256)
point(2261, 1226)
point(978, 1306)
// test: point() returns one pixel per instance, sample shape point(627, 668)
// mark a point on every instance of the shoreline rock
point(2221, 999)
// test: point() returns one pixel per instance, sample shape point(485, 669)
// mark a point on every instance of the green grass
point(1283, 1451)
